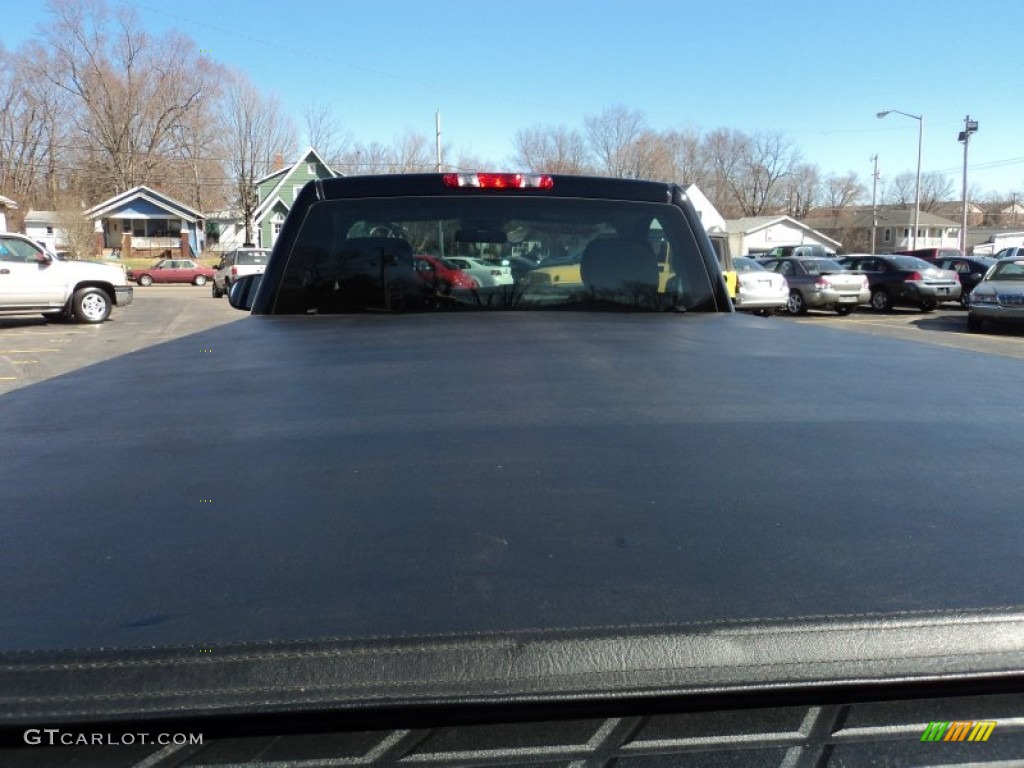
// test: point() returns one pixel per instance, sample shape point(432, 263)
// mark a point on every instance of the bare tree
point(648, 156)
point(412, 153)
point(256, 132)
point(550, 150)
point(842, 191)
point(936, 188)
point(611, 136)
point(900, 190)
point(133, 89)
point(34, 120)
point(722, 150)
point(365, 159)
point(197, 136)
point(79, 233)
point(324, 132)
point(801, 190)
point(687, 164)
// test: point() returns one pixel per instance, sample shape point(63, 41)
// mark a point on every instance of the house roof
point(274, 195)
point(751, 224)
point(142, 192)
point(40, 217)
point(709, 215)
point(228, 214)
point(860, 217)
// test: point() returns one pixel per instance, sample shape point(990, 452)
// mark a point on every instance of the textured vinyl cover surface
point(481, 508)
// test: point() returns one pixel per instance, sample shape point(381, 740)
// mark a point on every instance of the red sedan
point(435, 273)
point(173, 271)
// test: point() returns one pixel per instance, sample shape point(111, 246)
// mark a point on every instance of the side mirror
point(243, 292)
point(43, 258)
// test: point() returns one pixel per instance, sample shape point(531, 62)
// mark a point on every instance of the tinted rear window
point(252, 258)
point(355, 255)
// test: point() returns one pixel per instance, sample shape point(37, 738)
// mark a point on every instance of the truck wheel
point(844, 309)
point(145, 280)
point(200, 280)
point(928, 306)
point(90, 305)
point(796, 304)
point(214, 292)
point(881, 301)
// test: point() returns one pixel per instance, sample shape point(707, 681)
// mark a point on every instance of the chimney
point(278, 161)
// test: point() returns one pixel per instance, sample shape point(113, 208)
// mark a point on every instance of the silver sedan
point(999, 296)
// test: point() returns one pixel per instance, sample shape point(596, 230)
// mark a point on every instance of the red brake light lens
point(913, 276)
point(499, 180)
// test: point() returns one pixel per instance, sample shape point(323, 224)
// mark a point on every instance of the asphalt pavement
point(33, 349)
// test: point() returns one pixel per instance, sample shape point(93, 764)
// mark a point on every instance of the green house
point(277, 193)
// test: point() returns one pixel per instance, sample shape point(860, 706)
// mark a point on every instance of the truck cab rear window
point(409, 254)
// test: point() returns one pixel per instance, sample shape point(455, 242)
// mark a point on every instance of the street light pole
point(874, 207)
point(970, 126)
point(917, 188)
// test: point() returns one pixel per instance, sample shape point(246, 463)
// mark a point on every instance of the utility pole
point(874, 208)
point(437, 137)
point(970, 126)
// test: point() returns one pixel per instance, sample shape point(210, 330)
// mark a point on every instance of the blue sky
point(814, 71)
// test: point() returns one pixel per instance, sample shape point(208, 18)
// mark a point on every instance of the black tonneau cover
point(500, 507)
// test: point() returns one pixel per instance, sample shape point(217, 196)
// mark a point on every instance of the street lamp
point(970, 126)
point(917, 189)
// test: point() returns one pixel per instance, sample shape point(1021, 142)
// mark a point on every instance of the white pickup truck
point(34, 281)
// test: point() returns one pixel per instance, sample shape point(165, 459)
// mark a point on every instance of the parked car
point(172, 271)
point(34, 281)
point(432, 271)
point(970, 270)
point(999, 297)
point(812, 250)
point(1015, 252)
point(816, 283)
point(904, 280)
point(562, 270)
point(758, 289)
point(235, 264)
point(487, 274)
point(933, 254)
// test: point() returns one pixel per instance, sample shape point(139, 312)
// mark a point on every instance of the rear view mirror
point(243, 291)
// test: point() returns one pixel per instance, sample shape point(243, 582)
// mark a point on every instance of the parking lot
point(32, 349)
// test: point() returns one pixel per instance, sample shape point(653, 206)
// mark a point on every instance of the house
point(6, 204)
point(954, 210)
point(144, 223)
point(1007, 216)
point(278, 190)
point(42, 227)
point(706, 211)
point(759, 234)
point(225, 230)
point(893, 228)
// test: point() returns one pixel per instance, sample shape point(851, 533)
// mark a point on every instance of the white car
point(758, 289)
point(33, 281)
point(236, 264)
point(487, 274)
